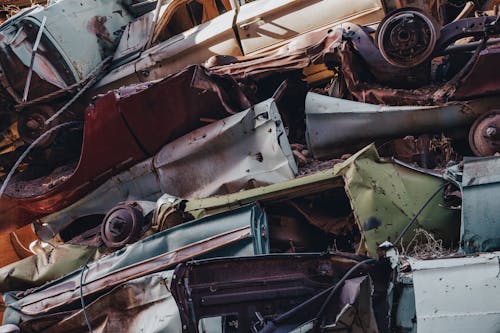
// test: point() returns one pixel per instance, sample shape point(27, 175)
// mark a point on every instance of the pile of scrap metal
point(263, 166)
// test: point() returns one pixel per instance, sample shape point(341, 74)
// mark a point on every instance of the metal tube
point(33, 54)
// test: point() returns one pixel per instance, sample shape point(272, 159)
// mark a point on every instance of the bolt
point(32, 124)
point(491, 132)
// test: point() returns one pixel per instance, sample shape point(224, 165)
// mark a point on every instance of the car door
point(182, 43)
point(180, 39)
point(264, 23)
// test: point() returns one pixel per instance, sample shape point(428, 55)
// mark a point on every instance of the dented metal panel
point(186, 48)
point(335, 125)
point(248, 149)
point(240, 232)
point(135, 122)
point(457, 294)
point(480, 230)
point(386, 196)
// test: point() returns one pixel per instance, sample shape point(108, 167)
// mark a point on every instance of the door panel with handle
point(263, 23)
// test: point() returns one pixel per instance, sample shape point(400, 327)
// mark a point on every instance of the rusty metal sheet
point(457, 294)
point(336, 126)
point(248, 149)
point(254, 293)
point(194, 97)
point(478, 80)
point(368, 78)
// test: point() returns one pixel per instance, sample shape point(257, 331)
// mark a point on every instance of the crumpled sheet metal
point(248, 149)
point(240, 232)
point(334, 125)
point(480, 209)
point(140, 182)
point(384, 197)
point(44, 267)
point(457, 294)
point(144, 304)
point(354, 71)
point(305, 50)
point(135, 121)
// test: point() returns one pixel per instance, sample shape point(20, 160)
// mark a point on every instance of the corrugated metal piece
point(457, 294)
point(240, 232)
point(480, 209)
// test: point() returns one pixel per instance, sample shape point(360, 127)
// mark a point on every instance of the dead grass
point(424, 244)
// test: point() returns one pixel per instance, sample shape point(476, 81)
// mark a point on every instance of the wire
point(405, 229)
point(96, 74)
point(82, 301)
point(271, 325)
point(26, 152)
point(339, 284)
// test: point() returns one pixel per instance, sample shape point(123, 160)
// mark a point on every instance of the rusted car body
point(370, 78)
point(235, 30)
point(240, 232)
point(246, 150)
point(459, 77)
point(61, 61)
point(131, 43)
point(300, 215)
point(309, 200)
point(134, 122)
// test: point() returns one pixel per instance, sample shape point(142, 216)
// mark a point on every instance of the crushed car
point(296, 177)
